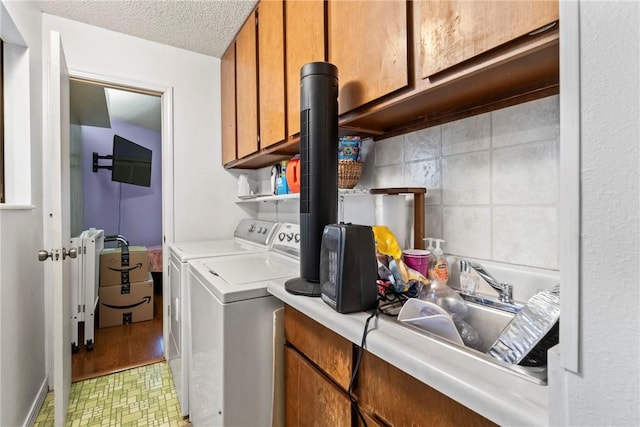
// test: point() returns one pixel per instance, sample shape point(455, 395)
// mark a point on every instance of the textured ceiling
point(204, 26)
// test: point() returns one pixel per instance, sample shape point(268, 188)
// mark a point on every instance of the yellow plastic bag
point(387, 244)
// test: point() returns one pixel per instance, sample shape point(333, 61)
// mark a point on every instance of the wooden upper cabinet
point(305, 35)
point(368, 44)
point(247, 88)
point(271, 72)
point(452, 31)
point(228, 95)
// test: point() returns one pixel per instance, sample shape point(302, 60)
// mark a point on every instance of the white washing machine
point(249, 236)
point(232, 332)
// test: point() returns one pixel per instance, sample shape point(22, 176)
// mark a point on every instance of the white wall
point(204, 193)
point(607, 389)
point(22, 342)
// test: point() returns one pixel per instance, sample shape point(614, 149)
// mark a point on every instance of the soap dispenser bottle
point(430, 247)
point(439, 267)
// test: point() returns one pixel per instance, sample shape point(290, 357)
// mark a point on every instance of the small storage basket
point(349, 172)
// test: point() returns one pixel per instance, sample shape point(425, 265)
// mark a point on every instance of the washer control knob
point(281, 237)
point(289, 237)
point(297, 237)
point(251, 228)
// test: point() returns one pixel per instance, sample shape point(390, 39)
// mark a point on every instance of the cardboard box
point(123, 304)
point(116, 268)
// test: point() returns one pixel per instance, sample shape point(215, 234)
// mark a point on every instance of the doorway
point(125, 209)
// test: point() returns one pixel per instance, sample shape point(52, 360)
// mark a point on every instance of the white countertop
point(499, 394)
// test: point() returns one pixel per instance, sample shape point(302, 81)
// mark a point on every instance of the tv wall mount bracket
point(96, 158)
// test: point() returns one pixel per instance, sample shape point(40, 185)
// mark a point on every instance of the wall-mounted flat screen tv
point(131, 162)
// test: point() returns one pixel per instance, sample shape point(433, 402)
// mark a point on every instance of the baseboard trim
point(37, 404)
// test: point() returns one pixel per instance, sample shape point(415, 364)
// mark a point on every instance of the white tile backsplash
point(470, 134)
point(529, 122)
point(526, 174)
point(389, 151)
point(526, 236)
point(433, 221)
point(467, 231)
point(389, 176)
point(492, 183)
point(423, 144)
point(497, 194)
point(466, 179)
point(426, 174)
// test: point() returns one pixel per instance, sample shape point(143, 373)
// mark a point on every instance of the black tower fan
point(319, 169)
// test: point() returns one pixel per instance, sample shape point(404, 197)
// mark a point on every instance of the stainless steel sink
point(489, 322)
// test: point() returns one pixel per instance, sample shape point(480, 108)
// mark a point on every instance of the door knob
point(43, 255)
point(71, 253)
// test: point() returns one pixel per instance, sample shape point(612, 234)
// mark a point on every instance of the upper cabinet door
point(368, 44)
point(305, 37)
point(271, 78)
point(247, 88)
point(452, 31)
point(228, 94)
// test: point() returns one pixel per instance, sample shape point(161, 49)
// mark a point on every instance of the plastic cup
point(417, 259)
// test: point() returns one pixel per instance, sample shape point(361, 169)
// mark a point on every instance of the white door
point(57, 223)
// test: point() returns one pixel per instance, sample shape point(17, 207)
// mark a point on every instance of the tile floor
point(142, 396)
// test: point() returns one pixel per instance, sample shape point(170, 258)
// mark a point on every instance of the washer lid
point(244, 276)
point(241, 269)
point(211, 248)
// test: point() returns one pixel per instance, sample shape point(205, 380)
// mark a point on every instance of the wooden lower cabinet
point(329, 351)
point(370, 421)
point(398, 399)
point(310, 398)
point(318, 367)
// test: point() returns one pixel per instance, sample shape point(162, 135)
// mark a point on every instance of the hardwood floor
point(120, 347)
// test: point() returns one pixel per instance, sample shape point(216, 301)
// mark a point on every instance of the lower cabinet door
point(311, 399)
point(398, 399)
point(371, 422)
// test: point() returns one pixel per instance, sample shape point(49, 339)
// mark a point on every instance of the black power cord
point(363, 344)
point(119, 205)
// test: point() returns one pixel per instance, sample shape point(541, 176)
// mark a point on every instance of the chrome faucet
point(505, 291)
